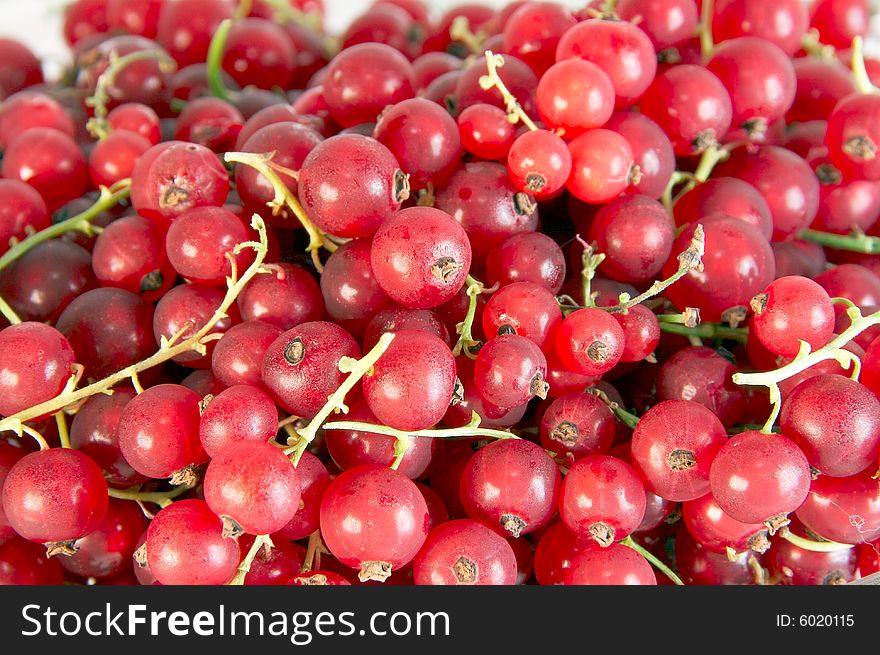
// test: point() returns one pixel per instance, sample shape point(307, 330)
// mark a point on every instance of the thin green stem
point(260, 541)
point(215, 59)
point(285, 12)
point(711, 157)
point(813, 46)
point(168, 349)
point(472, 429)
point(813, 546)
point(860, 73)
point(160, 498)
point(36, 436)
point(851, 242)
point(806, 358)
point(690, 259)
point(313, 553)
point(460, 31)
point(262, 163)
point(401, 445)
point(707, 331)
point(99, 101)
point(63, 433)
point(668, 199)
point(590, 261)
point(515, 111)
point(629, 419)
point(109, 198)
point(356, 369)
point(629, 542)
point(8, 313)
point(707, 44)
point(466, 342)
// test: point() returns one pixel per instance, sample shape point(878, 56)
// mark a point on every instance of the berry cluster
point(486, 298)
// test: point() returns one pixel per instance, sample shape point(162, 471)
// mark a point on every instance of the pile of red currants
point(535, 295)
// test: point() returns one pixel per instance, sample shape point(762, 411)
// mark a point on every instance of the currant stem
point(690, 259)
point(260, 541)
point(215, 59)
point(26, 429)
point(160, 498)
point(707, 331)
point(851, 242)
point(8, 313)
point(629, 542)
point(677, 178)
point(590, 261)
point(63, 434)
point(98, 126)
point(834, 349)
point(860, 73)
point(466, 339)
point(168, 349)
point(356, 369)
point(285, 12)
point(460, 30)
point(814, 546)
point(108, 198)
point(283, 196)
point(813, 46)
point(472, 429)
point(313, 553)
point(401, 445)
point(711, 157)
point(515, 111)
point(707, 44)
point(629, 419)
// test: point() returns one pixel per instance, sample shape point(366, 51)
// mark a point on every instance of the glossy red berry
point(601, 166)
point(614, 565)
point(575, 95)
point(423, 137)
point(539, 162)
point(95, 431)
point(673, 447)
point(485, 132)
point(411, 385)
point(738, 263)
point(758, 477)
point(510, 370)
point(185, 546)
point(159, 431)
point(36, 364)
point(48, 160)
point(349, 184)
point(364, 79)
point(845, 510)
point(174, 177)
point(239, 413)
point(374, 519)
point(620, 48)
point(578, 424)
point(464, 552)
point(510, 485)
point(253, 486)
point(528, 309)
point(54, 495)
point(836, 422)
point(791, 310)
point(421, 257)
point(285, 297)
point(589, 341)
point(691, 105)
point(602, 499)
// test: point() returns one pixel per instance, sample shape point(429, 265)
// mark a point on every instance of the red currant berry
point(374, 519)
